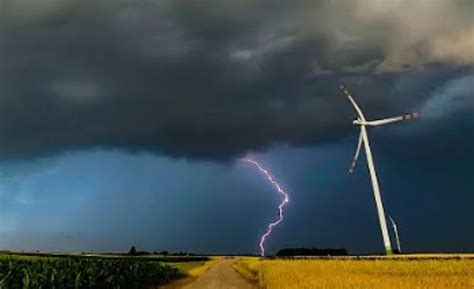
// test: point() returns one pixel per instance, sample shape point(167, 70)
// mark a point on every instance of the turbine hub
point(358, 122)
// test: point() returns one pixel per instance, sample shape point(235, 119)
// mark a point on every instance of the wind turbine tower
point(364, 139)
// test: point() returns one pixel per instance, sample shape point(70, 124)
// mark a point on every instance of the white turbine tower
point(363, 138)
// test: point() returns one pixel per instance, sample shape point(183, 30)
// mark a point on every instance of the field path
point(220, 276)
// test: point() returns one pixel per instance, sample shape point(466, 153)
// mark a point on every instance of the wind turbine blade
point(354, 104)
point(395, 230)
point(356, 156)
point(394, 119)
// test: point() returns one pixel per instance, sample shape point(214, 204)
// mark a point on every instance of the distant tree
point(164, 253)
point(132, 251)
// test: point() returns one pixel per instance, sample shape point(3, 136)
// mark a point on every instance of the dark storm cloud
point(214, 79)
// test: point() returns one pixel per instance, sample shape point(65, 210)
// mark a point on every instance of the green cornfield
point(75, 273)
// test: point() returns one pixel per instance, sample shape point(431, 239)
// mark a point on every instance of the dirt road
point(220, 276)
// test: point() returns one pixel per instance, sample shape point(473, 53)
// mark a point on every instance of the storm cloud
point(215, 79)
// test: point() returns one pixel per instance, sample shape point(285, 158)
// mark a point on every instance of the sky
point(123, 123)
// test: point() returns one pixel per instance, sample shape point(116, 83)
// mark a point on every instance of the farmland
point(369, 273)
point(25, 272)
point(115, 271)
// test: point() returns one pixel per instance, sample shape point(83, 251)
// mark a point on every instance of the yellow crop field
point(358, 274)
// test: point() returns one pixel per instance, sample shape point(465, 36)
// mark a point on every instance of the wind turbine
point(397, 238)
point(364, 139)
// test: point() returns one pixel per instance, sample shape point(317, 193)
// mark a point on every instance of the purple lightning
point(280, 207)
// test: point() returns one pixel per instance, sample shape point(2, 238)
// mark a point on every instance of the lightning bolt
point(280, 207)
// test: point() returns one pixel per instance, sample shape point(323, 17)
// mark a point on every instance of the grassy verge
point(358, 274)
point(248, 272)
point(191, 271)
